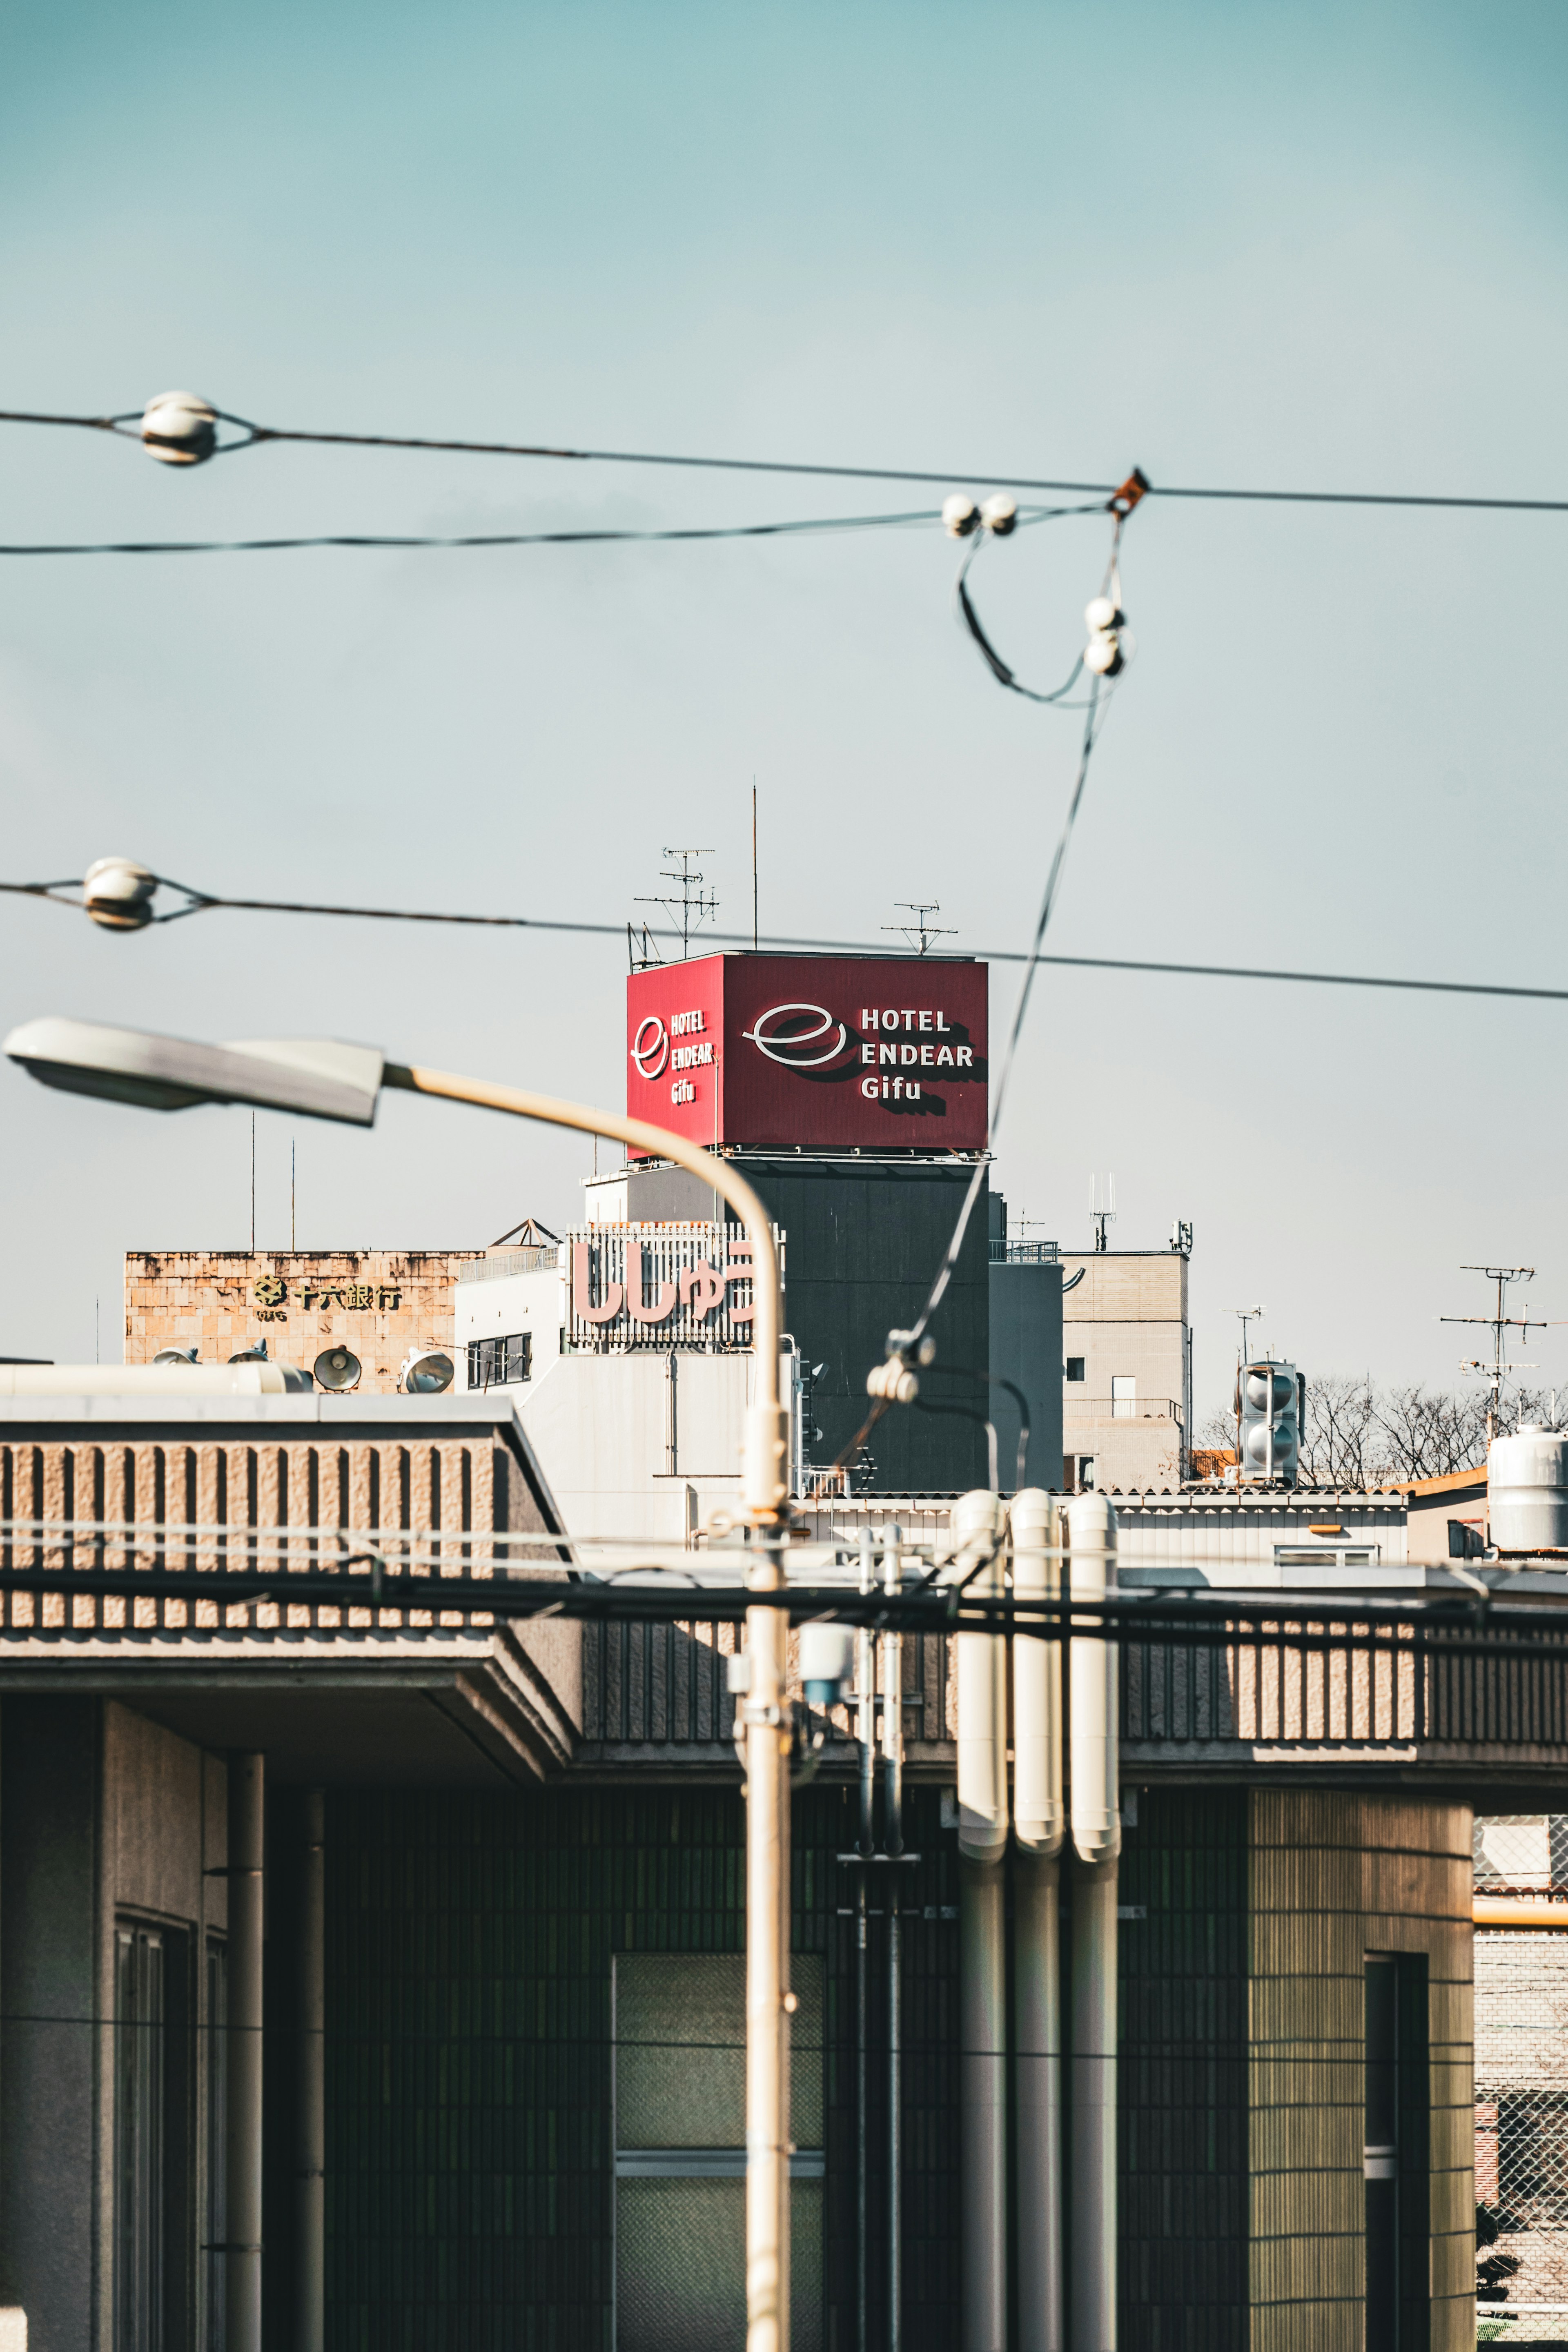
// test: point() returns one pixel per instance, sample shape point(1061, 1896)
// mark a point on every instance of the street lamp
point(320, 1078)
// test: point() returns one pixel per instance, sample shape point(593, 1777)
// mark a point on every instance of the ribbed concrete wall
point(1335, 1877)
point(443, 1497)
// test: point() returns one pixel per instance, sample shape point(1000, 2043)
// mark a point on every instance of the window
point(1123, 1396)
point(1075, 1365)
point(494, 1362)
point(1395, 2157)
point(1086, 1474)
point(681, 2152)
point(151, 2140)
point(1326, 1555)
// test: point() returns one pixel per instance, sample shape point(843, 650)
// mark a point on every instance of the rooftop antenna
point(695, 905)
point(1496, 1372)
point(1248, 1315)
point(1100, 1215)
point(921, 933)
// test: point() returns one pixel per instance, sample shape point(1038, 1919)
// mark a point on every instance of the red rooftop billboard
point(868, 1053)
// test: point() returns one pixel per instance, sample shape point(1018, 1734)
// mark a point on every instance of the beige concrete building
point(1126, 1368)
point(379, 1304)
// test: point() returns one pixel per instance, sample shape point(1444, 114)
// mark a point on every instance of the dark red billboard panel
point(878, 1053)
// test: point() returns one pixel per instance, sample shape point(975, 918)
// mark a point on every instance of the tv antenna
point(1502, 1322)
point(1248, 1315)
point(1101, 1214)
point(695, 906)
point(920, 933)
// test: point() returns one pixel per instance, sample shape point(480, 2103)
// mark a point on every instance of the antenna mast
point(1248, 1315)
point(921, 933)
point(695, 905)
point(1100, 1216)
point(1503, 1322)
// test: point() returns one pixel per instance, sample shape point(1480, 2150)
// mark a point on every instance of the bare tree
point(1356, 1434)
point(1338, 1434)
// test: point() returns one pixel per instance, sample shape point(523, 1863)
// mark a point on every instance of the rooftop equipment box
point(853, 1052)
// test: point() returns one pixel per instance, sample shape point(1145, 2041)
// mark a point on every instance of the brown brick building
point(379, 1304)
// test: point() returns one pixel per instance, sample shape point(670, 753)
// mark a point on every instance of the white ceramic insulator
point(1039, 1818)
point(118, 893)
point(982, 1687)
point(1096, 1781)
point(179, 428)
point(1099, 612)
point(959, 515)
point(1099, 653)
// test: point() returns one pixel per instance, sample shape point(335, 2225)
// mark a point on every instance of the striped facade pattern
point(470, 2112)
point(664, 1686)
point(1335, 1877)
point(227, 1505)
point(1181, 2194)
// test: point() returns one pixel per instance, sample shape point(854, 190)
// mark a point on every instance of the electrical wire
point(202, 902)
point(1000, 670)
point(1093, 720)
point(128, 425)
point(471, 539)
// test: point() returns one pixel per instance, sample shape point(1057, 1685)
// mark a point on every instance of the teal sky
point(1296, 247)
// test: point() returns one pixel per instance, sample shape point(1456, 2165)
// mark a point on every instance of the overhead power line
point(130, 425)
point(486, 539)
point(201, 902)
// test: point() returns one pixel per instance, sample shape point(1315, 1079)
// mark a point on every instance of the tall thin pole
point(253, 1183)
point(291, 1241)
point(893, 1843)
point(753, 863)
point(866, 1729)
point(311, 2087)
point(767, 1725)
point(242, 2252)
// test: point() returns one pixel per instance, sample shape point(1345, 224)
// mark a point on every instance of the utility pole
point(1494, 1373)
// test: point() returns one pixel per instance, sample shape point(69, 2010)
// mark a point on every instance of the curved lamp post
point(320, 1078)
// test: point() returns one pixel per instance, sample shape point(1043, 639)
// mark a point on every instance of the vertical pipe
point(893, 1842)
point(1094, 2107)
point(1038, 2022)
point(983, 2119)
point(310, 2087)
point(1040, 1827)
point(1096, 1839)
point(866, 1733)
point(247, 1883)
point(767, 1982)
point(982, 1841)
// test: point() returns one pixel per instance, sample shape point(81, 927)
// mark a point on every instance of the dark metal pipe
point(311, 2088)
point(983, 2066)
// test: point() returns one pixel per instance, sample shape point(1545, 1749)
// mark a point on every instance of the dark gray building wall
point(50, 1982)
point(863, 1240)
point(1026, 1348)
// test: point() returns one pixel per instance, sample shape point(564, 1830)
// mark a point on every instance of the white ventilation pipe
point(982, 1966)
point(1096, 1797)
point(981, 1685)
point(1040, 1827)
point(1037, 1808)
point(1097, 1839)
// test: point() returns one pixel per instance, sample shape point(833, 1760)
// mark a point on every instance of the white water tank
point(1526, 1490)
